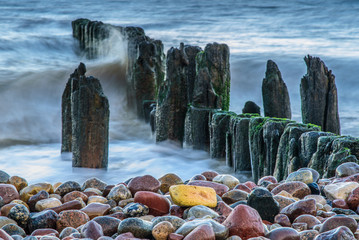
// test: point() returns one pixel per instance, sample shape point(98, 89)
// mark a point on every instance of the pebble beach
point(207, 206)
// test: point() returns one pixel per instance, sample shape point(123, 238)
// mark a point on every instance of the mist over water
point(38, 53)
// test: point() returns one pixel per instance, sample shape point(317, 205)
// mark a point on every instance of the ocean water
point(37, 54)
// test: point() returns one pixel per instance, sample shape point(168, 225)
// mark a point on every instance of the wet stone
point(20, 214)
point(284, 233)
point(92, 230)
point(144, 183)
point(18, 182)
point(71, 218)
point(283, 201)
point(96, 209)
point(47, 203)
point(13, 229)
point(4, 177)
point(299, 208)
point(283, 220)
point(308, 234)
point(73, 195)
point(200, 211)
point(337, 221)
point(227, 180)
point(67, 232)
point(305, 176)
point(44, 219)
point(37, 197)
point(169, 180)
point(204, 232)
point(220, 231)
point(342, 232)
point(175, 221)
point(8, 193)
point(162, 230)
point(158, 204)
point(119, 192)
point(234, 195)
point(210, 175)
point(29, 191)
point(5, 220)
point(138, 227)
point(135, 210)
point(340, 190)
point(109, 224)
point(67, 187)
point(310, 220)
point(296, 188)
point(94, 183)
point(262, 200)
point(45, 231)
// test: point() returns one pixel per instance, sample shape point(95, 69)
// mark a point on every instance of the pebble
point(72, 205)
point(119, 192)
point(242, 187)
point(92, 230)
point(267, 179)
point(37, 197)
point(262, 200)
point(245, 222)
point(353, 199)
point(135, 210)
point(346, 169)
point(96, 209)
point(67, 187)
point(299, 208)
point(8, 193)
point(158, 204)
point(210, 175)
point(144, 183)
point(310, 220)
point(109, 224)
point(162, 230)
point(226, 179)
point(283, 233)
point(234, 195)
point(198, 177)
point(188, 196)
point(45, 231)
point(201, 211)
point(304, 176)
point(175, 221)
point(31, 190)
point(100, 199)
point(138, 227)
point(44, 219)
point(317, 198)
point(337, 221)
point(47, 203)
point(4, 177)
point(94, 183)
point(283, 201)
point(5, 220)
point(204, 232)
point(308, 234)
point(71, 218)
point(169, 180)
point(5, 236)
point(14, 229)
point(20, 214)
point(220, 231)
point(339, 233)
point(296, 189)
point(340, 190)
point(67, 232)
point(18, 182)
point(73, 195)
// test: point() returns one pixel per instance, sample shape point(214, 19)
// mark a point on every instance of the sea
point(38, 53)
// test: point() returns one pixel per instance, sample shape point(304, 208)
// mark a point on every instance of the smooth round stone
point(6, 209)
point(37, 197)
point(201, 211)
point(283, 233)
point(220, 231)
point(223, 209)
point(29, 191)
point(234, 195)
point(227, 180)
point(20, 214)
point(4, 177)
point(109, 224)
point(119, 192)
point(250, 184)
point(96, 209)
point(315, 173)
point(94, 183)
point(123, 203)
point(339, 233)
point(337, 221)
point(73, 195)
point(198, 177)
point(296, 189)
point(245, 222)
point(175, 221)
point(218, 187)
point(18, 182)
point(17, 237)
point(158, 205)
point(169, 180)
point(67, 187)
point(72, 205)
point(144, 183)
point(299, 208)
point(138, 227)
point(45, 231)
point(242, 187)
point(71, 218)
point(135, 210)
point(353, 199)
point(302, 176)
point(92, 192)
point(283, 201)
point(317, 198)
point(116, 210)
point(44, 219)
point(162, 230)
point(18, 201)
point(267, 179)
point(210, 174)
point(67, 232)
point(99, 199)
point(188, 196)
point(6, 220)
point(262, 200)
point(283, 220)
point(8, 193)
point(53, 195)
point(347, 169)
point(308, 234)
point(204, 232)
point(340, 190)
point(13, 229)
point(47, 203)
point(92, 230)
point(310, 220)
point(340, 203)
point(314, 188)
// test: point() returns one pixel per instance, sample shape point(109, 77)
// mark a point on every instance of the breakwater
point(186, 101)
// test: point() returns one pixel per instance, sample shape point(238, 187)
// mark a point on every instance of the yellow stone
point(47, 203)
point(31, 190)
point(287, 195)
point(188, 196)
point(18, 182)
